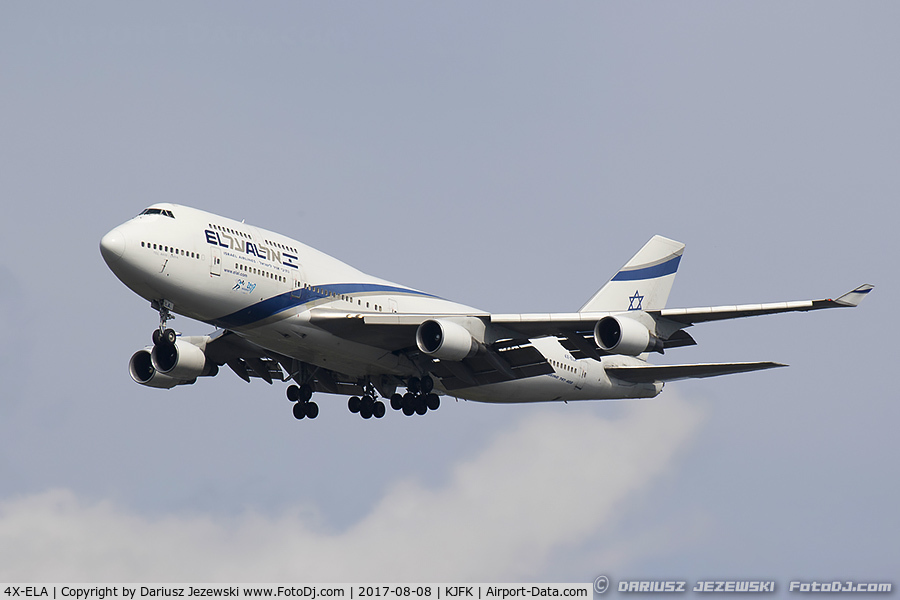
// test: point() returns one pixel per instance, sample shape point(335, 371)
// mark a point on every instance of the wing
point(248, 361)
point(651, 373)
point(560, 324)
point(397, 331)
point(507, 355)
point(689, 316)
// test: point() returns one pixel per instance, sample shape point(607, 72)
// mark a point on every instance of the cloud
point(553, 480)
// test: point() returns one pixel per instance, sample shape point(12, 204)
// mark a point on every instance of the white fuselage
point(262, 285)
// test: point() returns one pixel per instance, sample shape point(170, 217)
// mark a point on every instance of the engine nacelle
point(143, 372)
point(621, 335)
point(445, 340)
point(181, 360)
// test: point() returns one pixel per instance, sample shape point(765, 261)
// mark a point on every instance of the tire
point(169, 337)
point(378, 410)
point(432, 401)
point(312, 410)
point(354, 404)
point(427, 384)
point(396, 401)
point(299, 411)
point(306, 393)
point(293, 393)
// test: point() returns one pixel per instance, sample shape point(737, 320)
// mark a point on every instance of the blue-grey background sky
point(508, 155)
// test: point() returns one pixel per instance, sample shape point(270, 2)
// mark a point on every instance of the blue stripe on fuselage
point(662, 269)
point(294, 298)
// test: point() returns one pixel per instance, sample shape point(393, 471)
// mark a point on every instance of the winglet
point(855, 297)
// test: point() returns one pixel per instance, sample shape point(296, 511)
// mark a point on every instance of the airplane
point(287, 312)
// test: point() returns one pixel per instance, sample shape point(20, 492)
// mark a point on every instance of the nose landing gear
point(164, 336)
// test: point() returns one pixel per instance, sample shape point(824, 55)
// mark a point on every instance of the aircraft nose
point(112, 246)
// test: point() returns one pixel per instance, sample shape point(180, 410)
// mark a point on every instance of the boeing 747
point(283, 311)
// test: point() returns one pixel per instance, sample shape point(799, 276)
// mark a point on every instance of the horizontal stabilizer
point(651, 373)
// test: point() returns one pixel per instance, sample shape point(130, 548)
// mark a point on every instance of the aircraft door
point(580, 376)
point(215, 261)
point(297, 280)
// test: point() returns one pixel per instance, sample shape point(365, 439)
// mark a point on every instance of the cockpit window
point(158, 211)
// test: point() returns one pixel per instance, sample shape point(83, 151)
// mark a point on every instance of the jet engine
point(621, 335)
point(143, 372)
point(181, 360)
point(445, 340)
point(165, 366)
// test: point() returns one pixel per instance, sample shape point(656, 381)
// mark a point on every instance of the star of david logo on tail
point(636, 300)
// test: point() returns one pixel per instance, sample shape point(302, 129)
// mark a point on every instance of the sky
point(506, 155)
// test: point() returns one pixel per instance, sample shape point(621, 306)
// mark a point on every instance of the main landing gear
point(367, 406)
point(301, 397)
point(418, 399)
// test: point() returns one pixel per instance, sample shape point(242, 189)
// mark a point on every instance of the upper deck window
point(158, 211)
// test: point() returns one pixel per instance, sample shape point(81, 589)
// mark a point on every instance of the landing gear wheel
point(396, 401)
point(354, 404)
point(157, 337)
point(169, 336)
point(408, 410)
point(299, 410)
point(432, 401)
point(305, 393)
point(293, 393)
point(365, 412)
point(414, 385)
point(427, 384)
point(378, 410)
point(312, 410)
point(421, 407)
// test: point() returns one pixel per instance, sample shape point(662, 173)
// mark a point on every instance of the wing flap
point(651, 373)
point(518, 363)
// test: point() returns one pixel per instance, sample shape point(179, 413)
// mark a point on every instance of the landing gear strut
point(163, 335)
point(418, 399)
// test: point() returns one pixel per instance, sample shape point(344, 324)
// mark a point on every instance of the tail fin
point(644, 282)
